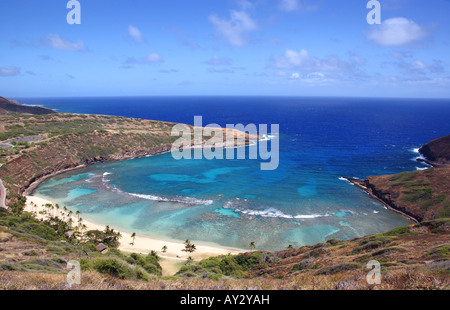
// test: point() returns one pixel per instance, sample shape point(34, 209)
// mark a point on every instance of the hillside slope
point(437, 152)
point(34, 147)
point(11, 107)
point(422, 195)
point(411, 257)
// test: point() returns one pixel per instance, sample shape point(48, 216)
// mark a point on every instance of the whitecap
point(346, 180)
point(185, 200)
point(275, 213)
point(423, 168)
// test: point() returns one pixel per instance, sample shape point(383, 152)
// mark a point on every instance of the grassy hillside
point(64, 141)
point(425, 194)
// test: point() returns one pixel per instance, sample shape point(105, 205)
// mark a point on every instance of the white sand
point(171, 260)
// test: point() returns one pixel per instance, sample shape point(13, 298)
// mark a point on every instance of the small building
point(101, 247)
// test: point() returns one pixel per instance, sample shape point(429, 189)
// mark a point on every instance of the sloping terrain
point(411, 257)
point(424, 195)
point(11, 107)
point(437, 152)
point(34, 254)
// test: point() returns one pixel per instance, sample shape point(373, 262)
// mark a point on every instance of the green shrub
point(115, 252)
point(86, 264)
point(141, 274)
point(399, 231)
point(372, 242)
point(114, 267)
point(333, 242)
point(441, 251)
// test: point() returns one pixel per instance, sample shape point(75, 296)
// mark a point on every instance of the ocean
point(233, 202)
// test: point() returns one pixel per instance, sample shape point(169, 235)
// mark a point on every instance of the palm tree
point(252, 245)
point(192, 248)
point(164, 249)
point(188, 246)
point(289, 247)
point(133, 235)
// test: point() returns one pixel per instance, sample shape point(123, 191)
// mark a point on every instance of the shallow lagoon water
point(231, 206)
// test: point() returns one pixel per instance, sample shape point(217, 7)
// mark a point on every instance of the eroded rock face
point(437, 152)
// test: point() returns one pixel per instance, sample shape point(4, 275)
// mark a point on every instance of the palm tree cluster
point(189, 247)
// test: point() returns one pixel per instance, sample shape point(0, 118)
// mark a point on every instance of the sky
point(225, 47)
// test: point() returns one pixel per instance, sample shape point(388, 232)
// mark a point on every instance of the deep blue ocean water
point(233, 202)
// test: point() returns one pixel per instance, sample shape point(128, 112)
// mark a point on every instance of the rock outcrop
point(437, 152)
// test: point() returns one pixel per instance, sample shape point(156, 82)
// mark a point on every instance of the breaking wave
point(275, 213)
point(178, 199)
point(185, 200)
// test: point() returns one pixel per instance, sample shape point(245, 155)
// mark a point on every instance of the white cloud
point(302, 60)
point(59, 43)
point(155, 58)
point(418, 64)
point(289, 5)
point(135, 34)
point(397, 31)
point(9, 71)
point(295, 75)
point(235, 28)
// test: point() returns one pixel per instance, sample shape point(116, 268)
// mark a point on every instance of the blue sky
point(225, 47)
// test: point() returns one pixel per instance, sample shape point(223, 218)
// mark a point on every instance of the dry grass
point(403, 279)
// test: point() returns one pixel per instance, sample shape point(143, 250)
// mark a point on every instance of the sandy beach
point(172, 259)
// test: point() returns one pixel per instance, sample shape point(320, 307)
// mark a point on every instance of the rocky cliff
point(421, 195)
point(437, 152)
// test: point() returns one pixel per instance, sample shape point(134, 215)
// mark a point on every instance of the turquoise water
point(232, 202)
point(229, 203)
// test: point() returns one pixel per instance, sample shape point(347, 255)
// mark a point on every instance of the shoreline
point(171, 260)
point(29, 190)
point(362, 185)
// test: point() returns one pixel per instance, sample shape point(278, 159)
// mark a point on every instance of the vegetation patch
point(342, 267)
point(388, 250)
point(371, 243)
point(226, 265)
point(440, 252)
